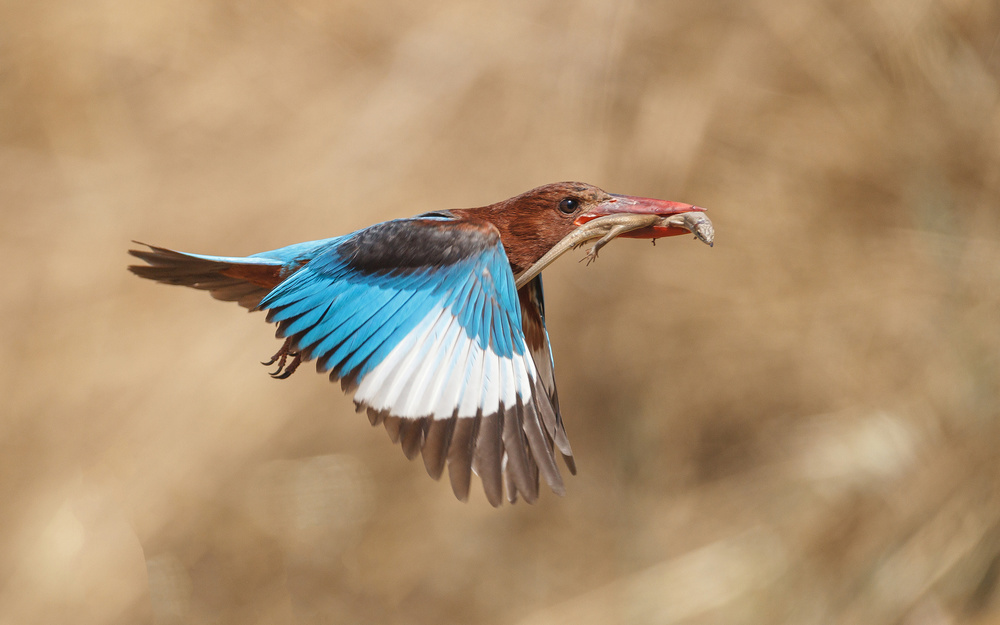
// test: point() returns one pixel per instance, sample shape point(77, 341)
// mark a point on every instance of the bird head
point(532, 223)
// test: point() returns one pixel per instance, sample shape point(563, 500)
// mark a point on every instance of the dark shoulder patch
point(405, 245)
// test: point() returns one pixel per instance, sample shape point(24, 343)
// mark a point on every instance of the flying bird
point(436, 322)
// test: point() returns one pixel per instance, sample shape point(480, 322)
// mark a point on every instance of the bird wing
point(532, 300)
point(420, 318)
point(240, 279)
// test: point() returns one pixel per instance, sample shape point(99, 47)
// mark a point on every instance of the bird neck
point(525, 238)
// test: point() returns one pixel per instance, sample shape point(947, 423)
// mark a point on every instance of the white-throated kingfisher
point(422, 319)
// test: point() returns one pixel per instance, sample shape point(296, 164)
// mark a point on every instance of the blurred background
point(797, 426)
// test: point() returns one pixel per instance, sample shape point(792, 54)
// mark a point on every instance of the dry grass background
point(797, 426)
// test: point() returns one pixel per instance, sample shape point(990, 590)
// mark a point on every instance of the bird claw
point(281, 357)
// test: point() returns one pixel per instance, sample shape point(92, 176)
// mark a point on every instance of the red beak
point(619, 204)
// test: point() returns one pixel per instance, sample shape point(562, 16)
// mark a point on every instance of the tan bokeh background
point(797, 426)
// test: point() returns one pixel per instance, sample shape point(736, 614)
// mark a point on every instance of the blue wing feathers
point(501, 344)
point(466, 305)
point(374, 332)
point(478, 306)
point(326, 332)
point(488, 312)
point(398, 326)
point(433, 343)
point(297, 302)
point(342, 332)
point(332, 328)
point(462, 301)
point(391, 324)
point(295, 324)
point(349, 318)
point(297, 252)
point(352, 313)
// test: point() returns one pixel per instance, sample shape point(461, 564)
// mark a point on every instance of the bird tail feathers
point(231, 279)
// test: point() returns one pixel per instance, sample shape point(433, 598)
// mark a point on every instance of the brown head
point(532, 223)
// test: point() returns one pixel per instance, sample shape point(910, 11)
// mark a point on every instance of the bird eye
point(568, 205)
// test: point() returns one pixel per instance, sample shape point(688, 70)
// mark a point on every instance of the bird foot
point(281, 357)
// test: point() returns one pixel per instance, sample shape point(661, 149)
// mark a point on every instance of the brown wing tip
point(570, 463)
point(502, 449)
point(436, 444)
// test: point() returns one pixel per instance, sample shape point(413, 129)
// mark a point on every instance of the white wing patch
point(438, 370)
